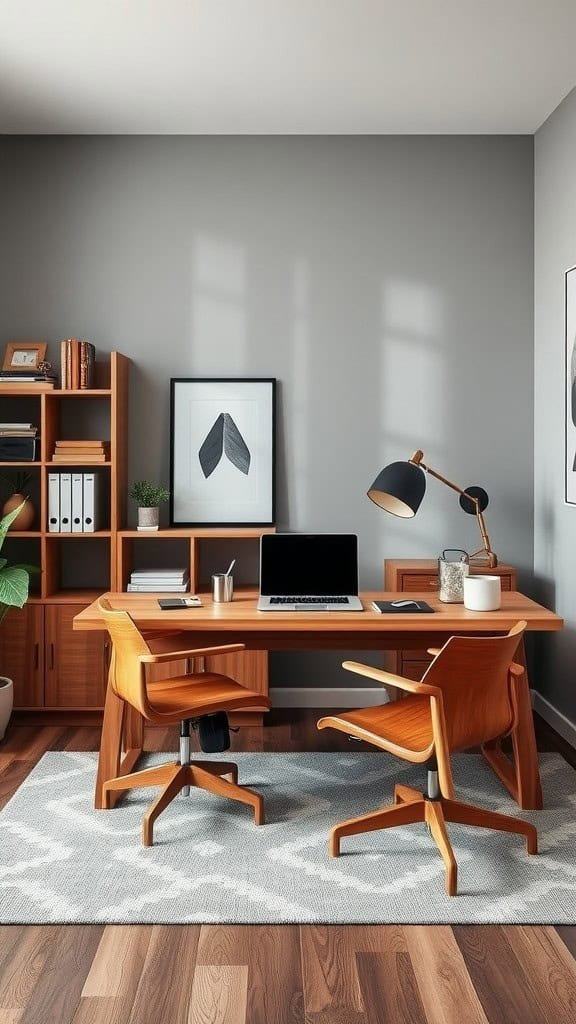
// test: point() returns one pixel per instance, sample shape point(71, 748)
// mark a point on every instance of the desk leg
point(122, 728)
point(521, 776)
point(110, 744)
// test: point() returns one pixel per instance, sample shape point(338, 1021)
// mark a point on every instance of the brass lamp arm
point(485, 555)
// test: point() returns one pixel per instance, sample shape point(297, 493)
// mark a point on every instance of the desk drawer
point(411, 583)
point(414, 582)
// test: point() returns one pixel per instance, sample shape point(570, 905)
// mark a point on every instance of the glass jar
point(453, 566)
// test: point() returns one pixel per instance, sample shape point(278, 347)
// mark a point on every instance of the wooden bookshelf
point(53, 666)
point(50, 666)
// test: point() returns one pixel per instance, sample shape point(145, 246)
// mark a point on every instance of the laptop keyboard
point(309, 600)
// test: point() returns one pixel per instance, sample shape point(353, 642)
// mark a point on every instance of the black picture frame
point(235, 522)
point(569, 387)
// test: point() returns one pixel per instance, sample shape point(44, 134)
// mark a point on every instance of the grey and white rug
point(62, 861)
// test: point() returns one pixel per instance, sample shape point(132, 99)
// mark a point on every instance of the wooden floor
point(273, 975)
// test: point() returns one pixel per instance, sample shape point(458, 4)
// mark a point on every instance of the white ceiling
point(282, 66)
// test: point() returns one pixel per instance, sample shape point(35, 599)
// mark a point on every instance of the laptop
point(309, 572)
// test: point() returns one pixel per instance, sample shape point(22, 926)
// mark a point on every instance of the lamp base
point(485, 558)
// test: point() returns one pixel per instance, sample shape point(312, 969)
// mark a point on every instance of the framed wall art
point(570, 386)
point(222, 451)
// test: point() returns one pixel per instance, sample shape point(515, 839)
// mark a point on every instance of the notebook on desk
point(402, 605)
point(309, 572)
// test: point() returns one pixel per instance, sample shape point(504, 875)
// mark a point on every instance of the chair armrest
point(390, 679)
point(198, 652)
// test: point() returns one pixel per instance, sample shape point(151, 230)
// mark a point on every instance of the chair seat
point(191, 696)
point(404, 727)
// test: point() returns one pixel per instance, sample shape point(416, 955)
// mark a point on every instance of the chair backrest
point(127, 677)
point(473, 674)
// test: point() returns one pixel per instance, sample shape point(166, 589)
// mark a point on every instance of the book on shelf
point(39, 383)
point(153, 574)
point(25, 376)
point(77, 358)
point(145, 588)
point(81, 451)
point(170, 581)
point(17, 431)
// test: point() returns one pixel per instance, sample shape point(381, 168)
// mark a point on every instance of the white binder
point(53, 502)
point(65, 503)
point(77, 503)
point(91, 513)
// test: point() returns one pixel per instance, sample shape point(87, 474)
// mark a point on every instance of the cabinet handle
point(36, 656)
point(51, 661)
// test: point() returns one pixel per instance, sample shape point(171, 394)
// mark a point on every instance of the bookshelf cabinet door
point(22, 654)
point(76, 663)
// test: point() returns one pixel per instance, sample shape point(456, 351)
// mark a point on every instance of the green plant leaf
point(7, 521)
point(3, 562)
point(13, 586)
point(32, 570)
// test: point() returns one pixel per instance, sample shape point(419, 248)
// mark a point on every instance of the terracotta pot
point(26, 518)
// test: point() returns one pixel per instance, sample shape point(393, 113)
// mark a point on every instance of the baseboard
point(326, 697)
point(563, 725)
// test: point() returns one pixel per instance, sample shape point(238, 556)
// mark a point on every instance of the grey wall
point(554, 522)
point(386, 282)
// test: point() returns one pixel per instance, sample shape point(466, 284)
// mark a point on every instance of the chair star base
point(173, 777)
point(411, 806)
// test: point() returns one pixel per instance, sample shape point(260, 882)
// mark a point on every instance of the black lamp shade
point(399, 489)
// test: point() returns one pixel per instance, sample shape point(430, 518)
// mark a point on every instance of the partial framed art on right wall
point(570, 386)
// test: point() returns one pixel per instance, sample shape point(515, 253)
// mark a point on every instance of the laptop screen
point(293, 564)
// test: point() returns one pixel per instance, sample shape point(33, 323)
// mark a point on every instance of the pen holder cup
point(453, 568)
point(222, 588)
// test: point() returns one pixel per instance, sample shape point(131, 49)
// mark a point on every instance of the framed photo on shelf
point(222, 451)
point(570, 386)
point(21, 356)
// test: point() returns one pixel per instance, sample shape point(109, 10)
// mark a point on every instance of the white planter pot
point(6, 703)
point(482, 593)
point(148, 518)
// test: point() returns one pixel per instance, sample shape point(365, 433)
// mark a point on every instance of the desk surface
point(241, 615)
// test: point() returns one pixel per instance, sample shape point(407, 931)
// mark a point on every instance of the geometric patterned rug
point(61, 861)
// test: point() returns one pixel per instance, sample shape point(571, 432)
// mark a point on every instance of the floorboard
point(216, 974)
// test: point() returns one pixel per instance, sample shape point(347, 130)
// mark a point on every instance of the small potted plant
point(149, 498)
point(17, 483)
point(14, 585)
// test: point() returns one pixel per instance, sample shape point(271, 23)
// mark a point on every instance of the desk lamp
point(399, 489)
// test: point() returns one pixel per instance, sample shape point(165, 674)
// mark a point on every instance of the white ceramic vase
point(6, 703)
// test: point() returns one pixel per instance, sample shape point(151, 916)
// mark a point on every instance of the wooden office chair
point(467, 697)
point(168, 701)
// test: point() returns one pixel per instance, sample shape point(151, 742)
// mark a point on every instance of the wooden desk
point(367, 630)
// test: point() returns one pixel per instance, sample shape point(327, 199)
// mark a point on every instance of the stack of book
point(35, 380)
point(18, 430)
point(77, 364)
point(18, 442)
point(89, 452)
point(165, 581)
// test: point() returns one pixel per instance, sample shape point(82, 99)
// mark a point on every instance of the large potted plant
point(14, 586)
point(149, 497)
